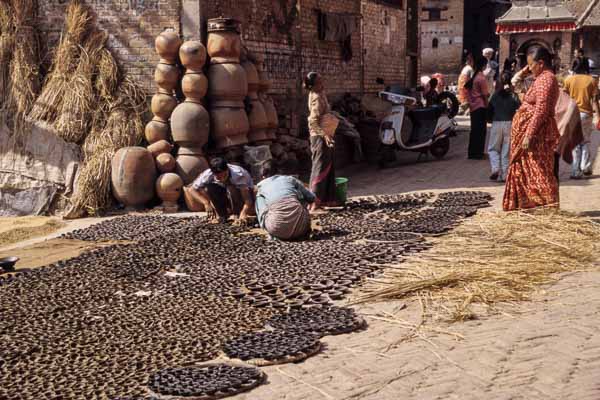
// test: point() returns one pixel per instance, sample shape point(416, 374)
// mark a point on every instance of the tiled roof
point(540, 11)
point(587, 11)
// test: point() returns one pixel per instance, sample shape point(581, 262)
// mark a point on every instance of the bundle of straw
point(7, 41)
point(93, 193)
point(79, 23)
point(107, 80)
point(503, 258)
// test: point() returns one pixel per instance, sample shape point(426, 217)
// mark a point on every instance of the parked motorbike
point(410, 127)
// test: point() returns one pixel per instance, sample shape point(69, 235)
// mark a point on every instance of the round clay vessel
point(194, 86)
point(193, 55)
point(264, 81)
point(160, 147)
point(229, 126)
point(190, 151)
point(251, 76)
point(167, 46)
point(224, 44)
point(189, 167)
point(190, 125)
point(227, 82)
point(156, 130)
point(133, 176)
point(258, 122)
point(169, 187)
point(165, 162)
point(272, 117)
point(163, 105)
point(166, 76)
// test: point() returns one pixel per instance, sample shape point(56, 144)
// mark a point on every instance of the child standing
point(502, 108)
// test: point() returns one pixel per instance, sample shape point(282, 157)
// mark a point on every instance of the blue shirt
point(238, 177)
point(276, 188)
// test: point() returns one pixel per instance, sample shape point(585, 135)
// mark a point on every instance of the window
point(434, 13)
point(435, 43)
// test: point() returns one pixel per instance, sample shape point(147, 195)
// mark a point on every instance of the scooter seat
point(427, 114)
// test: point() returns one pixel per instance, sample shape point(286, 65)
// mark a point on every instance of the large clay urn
point(190, 125)
point(156, 130)
point(166, 76)
point(167, 46)
point(133, 176)
point(229, 126)
point(193, 55)
point(189, 167)
point(224, 43)
point(252, 77)
point(168, 188)
point(165, 163)
point(163, 105)
point(258, 122)
point(264, 81)
point(160, 147)
point(227, 82)
point(194, 86)
point(272, 117)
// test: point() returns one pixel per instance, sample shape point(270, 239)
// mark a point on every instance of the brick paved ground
point(546, 349)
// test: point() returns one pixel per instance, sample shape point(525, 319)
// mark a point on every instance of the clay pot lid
point(222, 24)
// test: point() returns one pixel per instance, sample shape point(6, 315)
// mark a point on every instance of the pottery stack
point(257, 116)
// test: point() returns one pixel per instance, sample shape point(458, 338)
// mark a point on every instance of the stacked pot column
point(256, 115)
point(264, 86)
point(168, 185)
point(190, 122)
point(227, 85)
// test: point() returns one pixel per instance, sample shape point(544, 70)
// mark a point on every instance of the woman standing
point(465, 75)
point(531, 181)
point(478, 95)
point(322, 127)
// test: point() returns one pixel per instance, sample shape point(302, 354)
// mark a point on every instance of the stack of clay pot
point(190, 122)
point(271, 112)
point(227, 84)
point(257, 115)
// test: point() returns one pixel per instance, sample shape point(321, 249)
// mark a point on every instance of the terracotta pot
point(163, 105)
point(251, 76)
point(133, 176)
point(265, 82)
point(160, 147)
point(190, 125)
point(272, 117)
point(194, 86)
point(156, 130)
point(229, 126)
point(167, 46)
point(193, 55)
point(168, 188)
point(224, 44)
point(166, 76)
point(258, 123)
point(189, 167)
point(165, 163)
point(227, 82)
point(190, 151)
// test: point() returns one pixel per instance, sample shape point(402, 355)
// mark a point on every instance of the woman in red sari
point(531, 181)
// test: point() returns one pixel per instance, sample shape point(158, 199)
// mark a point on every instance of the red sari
point(531, 182)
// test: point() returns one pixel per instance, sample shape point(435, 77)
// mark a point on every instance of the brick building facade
point(285, 32)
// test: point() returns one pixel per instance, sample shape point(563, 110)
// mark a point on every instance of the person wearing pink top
point(477, 95)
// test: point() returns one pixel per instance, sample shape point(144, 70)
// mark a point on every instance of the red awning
point(536, 27)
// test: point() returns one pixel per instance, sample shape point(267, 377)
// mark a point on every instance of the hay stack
point(79, 24)
point(7, 41)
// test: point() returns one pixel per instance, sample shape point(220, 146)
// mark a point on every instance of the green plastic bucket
point(341, 189)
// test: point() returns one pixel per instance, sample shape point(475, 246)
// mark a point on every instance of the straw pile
point(7, 41)
point(79, 24)
point(493, 259)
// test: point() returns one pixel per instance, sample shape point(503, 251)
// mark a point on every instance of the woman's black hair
point(540, 53)
point(218, 165)
point(310, 80)
point(480, 64)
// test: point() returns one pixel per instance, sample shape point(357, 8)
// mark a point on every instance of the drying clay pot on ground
point(189, 167)
point(156, 130)
point(224, 42)
point(166, 76)
point(227, 82)
point(193, 55)
point(133, 176)
point(165, 163)
point(163, 105)
point(160, 147)
point(229, 126)
point(167, 46)
point(168, 188)
point(190, 125)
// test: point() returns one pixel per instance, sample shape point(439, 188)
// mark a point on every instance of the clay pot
point(224, 43)
point(194, 86)
point(163, 105)
point(193, 55)
point(133, 176)
point(227, 82)
point(251, 76)
point(272, 117)
point(190, 151)
point(160, 147)
point(165, 162)
point(167, 46)
point(156, 130)
point(229, 126)
point(189, 167)
point(190, 125)
point(265, 82)
point(258, 123)
point(166, 76)
point(168, 188)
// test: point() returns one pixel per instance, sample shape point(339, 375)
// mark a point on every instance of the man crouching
point(281, 205)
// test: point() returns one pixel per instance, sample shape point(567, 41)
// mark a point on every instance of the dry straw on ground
point(7, 41)
point(492, 259)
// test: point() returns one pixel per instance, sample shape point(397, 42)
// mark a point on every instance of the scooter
point(423, 130)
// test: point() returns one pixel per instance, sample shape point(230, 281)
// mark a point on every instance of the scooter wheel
point(440, 148)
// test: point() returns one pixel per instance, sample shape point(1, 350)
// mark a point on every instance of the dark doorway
point(412, 36)
point(480, 24)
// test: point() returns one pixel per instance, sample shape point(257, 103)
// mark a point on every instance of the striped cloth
point(287, 219)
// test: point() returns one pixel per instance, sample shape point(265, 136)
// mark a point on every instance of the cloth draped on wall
point(335, 27)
